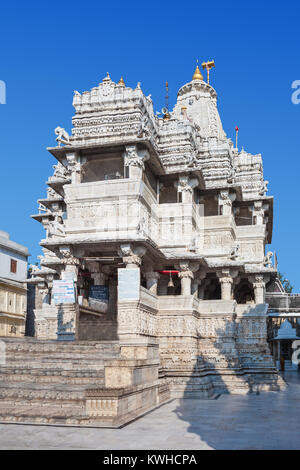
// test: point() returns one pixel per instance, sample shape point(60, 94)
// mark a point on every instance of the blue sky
point(48, 49)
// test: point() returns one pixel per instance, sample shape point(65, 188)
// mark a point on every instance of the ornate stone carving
point(67, 257)
point(235, 251)
point(268, 259)
point(60, 171)
point(56, 227)
point(62, 136)
point(132, 255)
point(75, 167)
point(133, 157)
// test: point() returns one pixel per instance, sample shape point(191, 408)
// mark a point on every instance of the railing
point(177, 303)
point(282, 301)
point(113, 208)
point(178, 223)
point(148, 298)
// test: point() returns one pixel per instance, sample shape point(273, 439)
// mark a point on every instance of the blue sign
point(99, 293)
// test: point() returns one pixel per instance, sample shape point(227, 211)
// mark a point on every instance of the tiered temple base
point(78, 383)
point(101, 384)
point(46, 381)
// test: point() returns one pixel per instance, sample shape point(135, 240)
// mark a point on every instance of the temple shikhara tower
point(154, 265)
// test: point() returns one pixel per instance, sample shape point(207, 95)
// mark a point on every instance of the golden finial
point(197, 74)
point(121, 82)
point(208, 65)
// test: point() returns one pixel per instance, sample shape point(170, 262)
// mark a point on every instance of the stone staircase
point(46, 381)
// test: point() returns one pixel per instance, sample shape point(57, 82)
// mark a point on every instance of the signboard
point(98, 298)
point(63, 292)
point(128, 284)
point(99, 292)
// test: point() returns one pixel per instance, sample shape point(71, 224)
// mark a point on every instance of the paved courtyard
point(265, 421)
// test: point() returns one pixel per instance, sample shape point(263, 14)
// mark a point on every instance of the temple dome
point(197, 102)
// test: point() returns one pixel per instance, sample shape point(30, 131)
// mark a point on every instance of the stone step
point(69, 366)
point(59, 352)
point(42, 392)
point(37, 413)
point(8, 371)
point(55, 377)
point(89, 364)
point(23, 345)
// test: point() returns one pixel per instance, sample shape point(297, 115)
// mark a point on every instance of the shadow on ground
point(250, 420)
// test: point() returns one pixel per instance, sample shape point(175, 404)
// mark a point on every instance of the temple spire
point(121, 82)
point(197, 74)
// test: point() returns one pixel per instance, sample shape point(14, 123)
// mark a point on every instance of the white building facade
point(13, 288)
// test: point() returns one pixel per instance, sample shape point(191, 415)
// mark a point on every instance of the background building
point(13, 289)
point(283, 325)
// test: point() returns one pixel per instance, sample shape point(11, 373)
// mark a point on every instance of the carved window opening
point(210, 205)
point(168, 194)
point(213, 290)
point(244, 217)
point(244, 292)
point(104, 168)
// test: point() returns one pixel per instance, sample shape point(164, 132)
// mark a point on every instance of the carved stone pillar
point(186, 281)
point(258, 211)
point(75, 167)
point(50, 278)
point(71, 264)
point(185, 188)
point(186, 274)
point(226, 282)
point(259, 283)
point(225, 202)
point(152, 278)
point(134, 159)
point(44, 293)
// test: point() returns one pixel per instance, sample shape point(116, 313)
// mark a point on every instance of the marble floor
point(265, 421)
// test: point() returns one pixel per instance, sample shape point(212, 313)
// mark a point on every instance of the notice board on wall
point(128, 284)
point(63, 292)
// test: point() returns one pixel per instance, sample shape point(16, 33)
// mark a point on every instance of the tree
point(285, 283)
